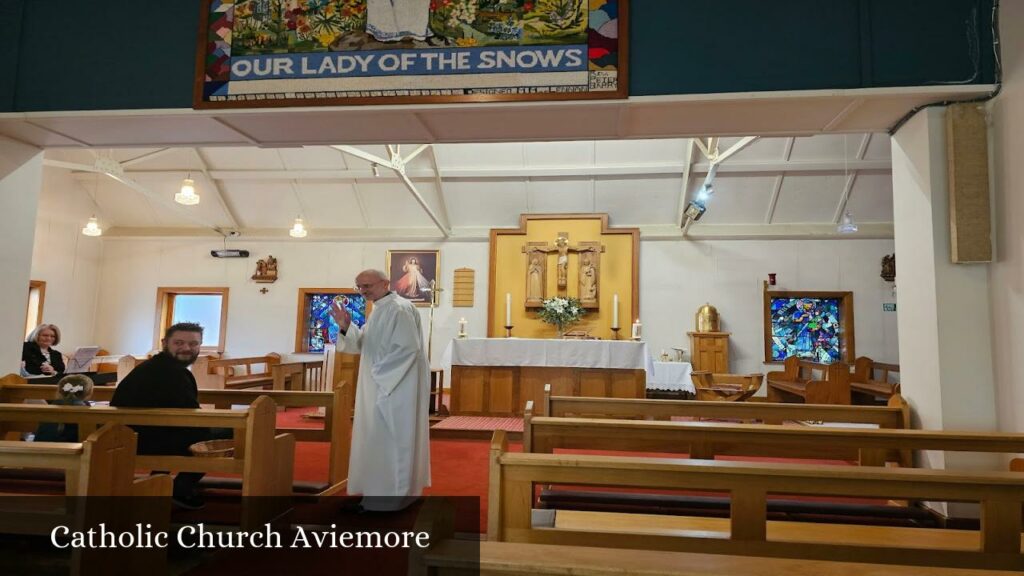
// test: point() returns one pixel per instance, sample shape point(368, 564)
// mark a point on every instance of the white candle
point(615, 311)
point(636, 329)
point(508, 309)
point(462, 325)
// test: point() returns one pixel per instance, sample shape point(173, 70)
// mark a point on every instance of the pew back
point(513, 477)
point(895, 415)
point(810, 382)
point(234, 373)
point(705, 440)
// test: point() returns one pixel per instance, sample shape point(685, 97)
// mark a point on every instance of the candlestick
point(615, 312)
point(615, 332)
point(508, 330)
point(508, 309)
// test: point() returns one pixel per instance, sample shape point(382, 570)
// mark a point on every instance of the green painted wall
point(121, 54)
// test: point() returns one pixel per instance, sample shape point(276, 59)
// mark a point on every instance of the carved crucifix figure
point(536, 269)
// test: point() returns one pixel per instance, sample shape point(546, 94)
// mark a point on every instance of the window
point(206, 306)
point(34, 313)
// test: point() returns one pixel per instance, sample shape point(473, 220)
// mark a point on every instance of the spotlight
point(694, 210)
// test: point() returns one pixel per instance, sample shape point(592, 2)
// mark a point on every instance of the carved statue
point(588, 277)
point(562, 242)
point(889, 268)
point(535, 277)
point(266, 270)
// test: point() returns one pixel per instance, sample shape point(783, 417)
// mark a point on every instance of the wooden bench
point(235, 373)
point(810, 382)
point(747, 531)
point(895, 415)
point(725, 387)
point(874, 378)
point(459, 557)
point(103, 465)
point(705, 440)
point(264, 461)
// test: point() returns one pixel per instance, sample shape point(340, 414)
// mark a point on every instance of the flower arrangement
point(561, 312)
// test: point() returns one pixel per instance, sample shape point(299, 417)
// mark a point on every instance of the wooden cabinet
point(709, 351)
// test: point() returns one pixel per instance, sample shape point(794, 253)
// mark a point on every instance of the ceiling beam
point(685, 185)
point(698, 231)
point(147, 156)
point(660, 169)
point(439, 186)
point(218, 192)
point(776, 189)
point(397, 164)
point(851, 178)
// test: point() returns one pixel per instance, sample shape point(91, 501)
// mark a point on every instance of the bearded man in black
point(164, 381)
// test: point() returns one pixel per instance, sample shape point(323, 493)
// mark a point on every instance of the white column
point(1006, 150)
point(943, 308)
point(21, 178)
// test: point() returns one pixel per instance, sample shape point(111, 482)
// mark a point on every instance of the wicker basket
point(213, 449)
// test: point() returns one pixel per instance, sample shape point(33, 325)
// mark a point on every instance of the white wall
point(679, 277)
point(21, 172)
point(259, 323)
point(676, 278)
point(67, 260)
point(1007, 273)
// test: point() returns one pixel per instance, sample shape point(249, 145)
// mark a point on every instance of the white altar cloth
point(619, 354)
point(671, 376)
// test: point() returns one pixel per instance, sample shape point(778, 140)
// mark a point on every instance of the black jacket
point(33, 358)
point(161, 382)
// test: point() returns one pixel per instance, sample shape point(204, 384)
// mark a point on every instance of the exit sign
point(888, 307)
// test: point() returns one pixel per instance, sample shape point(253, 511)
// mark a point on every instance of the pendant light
point(298, 230)
point(92, 228)
point(188, 195)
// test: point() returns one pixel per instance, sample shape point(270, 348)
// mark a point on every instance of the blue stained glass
point(807, 328)
point(321, 328)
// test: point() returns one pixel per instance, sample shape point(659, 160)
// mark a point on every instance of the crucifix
point(536, 271)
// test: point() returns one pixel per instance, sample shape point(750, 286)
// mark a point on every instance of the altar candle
point(462, 326)
point(508, 309)
point(615, 311)
point(636, 329)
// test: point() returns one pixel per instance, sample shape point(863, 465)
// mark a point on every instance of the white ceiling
point(774, 187)
point(819, 153)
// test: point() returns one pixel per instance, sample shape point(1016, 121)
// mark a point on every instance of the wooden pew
point(810, 382)
point(459, 557)
point(705, 440)
point(336, 407)
point(747, 531)
point(872, 378)
point(896, 415)
point(235, 373)
point(103, 465)
point(264, 461)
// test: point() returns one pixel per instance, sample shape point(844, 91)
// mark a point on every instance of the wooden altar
point(484, 383)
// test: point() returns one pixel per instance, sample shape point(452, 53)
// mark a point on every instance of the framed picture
point(259, 53)
point(314, 327)
point(816, 326)
point(412, 271)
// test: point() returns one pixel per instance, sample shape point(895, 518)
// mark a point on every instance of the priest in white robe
point(390, 460)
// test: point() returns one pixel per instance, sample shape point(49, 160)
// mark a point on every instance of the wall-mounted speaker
point(970, 215)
